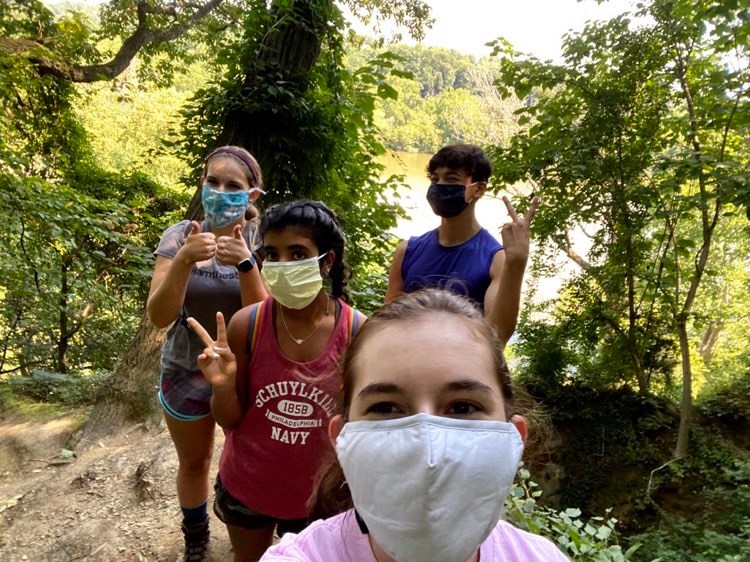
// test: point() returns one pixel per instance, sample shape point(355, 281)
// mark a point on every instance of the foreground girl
point(274, 377)
point(428, 444)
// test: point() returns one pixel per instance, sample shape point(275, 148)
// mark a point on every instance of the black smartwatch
point(247, 264)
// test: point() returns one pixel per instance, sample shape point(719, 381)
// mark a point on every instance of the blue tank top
point(463, 269)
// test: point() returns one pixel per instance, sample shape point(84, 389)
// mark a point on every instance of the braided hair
point(322, 226)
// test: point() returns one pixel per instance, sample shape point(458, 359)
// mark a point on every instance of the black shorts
point(232, 511)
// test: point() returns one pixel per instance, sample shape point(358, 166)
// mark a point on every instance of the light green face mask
point(294, 284)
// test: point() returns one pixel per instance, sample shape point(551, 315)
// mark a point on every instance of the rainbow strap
point(353, 323)
point(252, 335)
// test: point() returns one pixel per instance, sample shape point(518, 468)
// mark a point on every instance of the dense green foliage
point(443, 97)
point(74, 390)
point(612, 446)
point(637, 141)
point(76, 237)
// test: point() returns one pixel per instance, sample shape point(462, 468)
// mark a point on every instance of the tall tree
point(638, 135)
point(287, 98)
point(276, 72)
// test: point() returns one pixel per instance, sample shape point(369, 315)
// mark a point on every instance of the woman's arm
point(170, 279)
point(228, 402)
point(167, 294)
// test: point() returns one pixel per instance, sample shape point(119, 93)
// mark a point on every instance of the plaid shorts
point(185, 396)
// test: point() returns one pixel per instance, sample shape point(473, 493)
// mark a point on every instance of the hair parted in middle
point(243, 157)
point(331, 496)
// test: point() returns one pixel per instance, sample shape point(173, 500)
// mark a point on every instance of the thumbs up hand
point(199, 246)
point(231, 250)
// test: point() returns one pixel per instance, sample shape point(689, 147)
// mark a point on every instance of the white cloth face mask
point(429, 488)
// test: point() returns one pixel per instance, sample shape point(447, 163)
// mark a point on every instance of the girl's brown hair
point(241, 156)
point(331, 495)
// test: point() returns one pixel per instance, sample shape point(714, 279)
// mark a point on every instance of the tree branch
point(567, 247)
point(140, 38)
point(19, 368)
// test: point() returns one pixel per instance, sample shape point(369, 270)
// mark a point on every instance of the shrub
point(591, 540)
point(682, 540)
point(78, 389)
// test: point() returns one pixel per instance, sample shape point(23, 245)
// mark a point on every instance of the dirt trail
point(116, 501)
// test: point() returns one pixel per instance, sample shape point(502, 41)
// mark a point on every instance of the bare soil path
point(115, 501)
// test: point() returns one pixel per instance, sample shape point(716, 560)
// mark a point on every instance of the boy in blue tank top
point(460, 255)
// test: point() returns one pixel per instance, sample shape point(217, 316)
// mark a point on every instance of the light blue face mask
point(224, 207)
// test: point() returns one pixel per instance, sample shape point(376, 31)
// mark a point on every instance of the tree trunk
point(686, 405)
point(62, 340)
point(710, 340)
point(131, 396)
point(289, 51)
point(292, 50)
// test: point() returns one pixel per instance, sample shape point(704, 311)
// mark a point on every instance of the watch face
point(245, 265)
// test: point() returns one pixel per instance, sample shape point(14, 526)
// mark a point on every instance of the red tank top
point(270, 458)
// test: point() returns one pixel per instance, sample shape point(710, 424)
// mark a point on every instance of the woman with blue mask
point(201, 268)
point(426, 445)
point(275, 379)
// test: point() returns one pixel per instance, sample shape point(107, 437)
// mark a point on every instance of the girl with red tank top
point(275, 378)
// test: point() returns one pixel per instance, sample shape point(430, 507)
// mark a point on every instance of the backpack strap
point(243, 386)
point(252, 332)
point(353, 323)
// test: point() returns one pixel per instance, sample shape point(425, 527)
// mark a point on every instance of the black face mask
point(447, 199)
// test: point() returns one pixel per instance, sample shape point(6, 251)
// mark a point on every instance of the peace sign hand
point(515, 234)
point(217, 361)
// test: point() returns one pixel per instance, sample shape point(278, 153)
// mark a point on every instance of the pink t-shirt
point(270, 458)
point(339, 539)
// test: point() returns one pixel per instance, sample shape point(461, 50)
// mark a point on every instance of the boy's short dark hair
point(467, 157)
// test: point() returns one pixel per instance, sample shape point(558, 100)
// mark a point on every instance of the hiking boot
point(197, 544)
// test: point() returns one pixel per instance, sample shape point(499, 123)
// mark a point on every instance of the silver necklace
point(300, 341)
